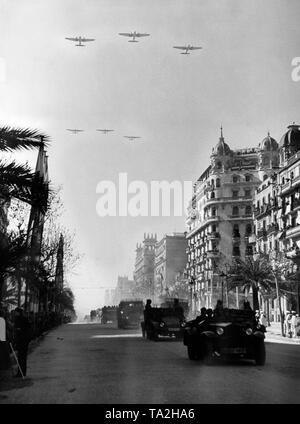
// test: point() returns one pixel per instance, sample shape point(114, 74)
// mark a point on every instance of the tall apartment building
point(170, 262)
point(144, 267)
point(220, 221)
point(277, 211)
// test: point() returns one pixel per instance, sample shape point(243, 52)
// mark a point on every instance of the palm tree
point(252, 273)
point(18, 180)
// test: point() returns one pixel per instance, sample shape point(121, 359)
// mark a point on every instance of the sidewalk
point(273, 335)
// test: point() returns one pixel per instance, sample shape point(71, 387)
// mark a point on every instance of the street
point(93, 363)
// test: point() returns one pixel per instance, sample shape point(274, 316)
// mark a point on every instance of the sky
point(241, 79)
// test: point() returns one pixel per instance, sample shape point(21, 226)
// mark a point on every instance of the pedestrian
point(288, 324)
point(4, 344)
point(22, 339)
point(293, 324)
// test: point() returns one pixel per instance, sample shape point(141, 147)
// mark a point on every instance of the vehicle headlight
point(183, 324)
point(258, 326)
point(162, 324)
point(249, 331)
point(220, 331)
point(121, 312)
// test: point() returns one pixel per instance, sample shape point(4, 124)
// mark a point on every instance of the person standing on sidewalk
point(22, 339)
point(293, 324)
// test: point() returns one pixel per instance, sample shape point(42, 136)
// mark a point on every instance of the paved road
point(90, 363)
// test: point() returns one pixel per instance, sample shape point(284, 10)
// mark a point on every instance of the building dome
point(268, 143)
point(291, 139)
point(222, 148)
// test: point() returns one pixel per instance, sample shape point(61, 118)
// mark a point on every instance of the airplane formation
point(133, 35)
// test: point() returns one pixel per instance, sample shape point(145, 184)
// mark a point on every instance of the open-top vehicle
point(163, 322)
point(130, 313)
point(232, 333)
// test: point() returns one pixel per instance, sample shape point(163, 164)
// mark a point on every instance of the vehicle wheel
point(192, 352)
point(208, 352)
point(260, 353)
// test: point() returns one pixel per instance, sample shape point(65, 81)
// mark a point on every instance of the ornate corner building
point(220, 214)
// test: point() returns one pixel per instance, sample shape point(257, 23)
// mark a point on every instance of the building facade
point(220, 216)
point(123, 290)
point(170, 262)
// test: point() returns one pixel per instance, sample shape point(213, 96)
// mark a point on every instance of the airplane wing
point(72, 38)
point(84, 40)
point(179, 47)
point(141, 35)
point(195, 48)
point(126, 34)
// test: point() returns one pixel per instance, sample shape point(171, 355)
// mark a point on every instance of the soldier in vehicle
point(219, 308)
point(147, 312)
point(178, 308)
point(209, 314)
point(202, 315)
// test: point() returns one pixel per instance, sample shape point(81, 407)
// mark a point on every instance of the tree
point(17, 180)
point(252, 273)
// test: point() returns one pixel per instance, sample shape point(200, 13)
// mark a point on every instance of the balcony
point(213, 235)
point(263, 210)
point(213, 253)
point(272, 228)
point(262, 233)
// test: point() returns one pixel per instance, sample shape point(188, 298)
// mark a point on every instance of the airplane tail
point(132, 41)
point(185, 53)
point(80, 45)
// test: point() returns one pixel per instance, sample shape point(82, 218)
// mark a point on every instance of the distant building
point(220, 219)
point(144, 267)
point(123, 290)
point(170, 263)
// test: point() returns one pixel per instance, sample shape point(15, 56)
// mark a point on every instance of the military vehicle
point(130, 313)
point(162, 323)
point(231, 333)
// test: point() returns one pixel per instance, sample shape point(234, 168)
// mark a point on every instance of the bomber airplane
point(80, 40)
point(74, 130)
point(131, 137)
point(104, 131)
point(133, 35)
point(186, 48)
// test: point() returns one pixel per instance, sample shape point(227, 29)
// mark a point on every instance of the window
point(236, 251)
point(218, 182)
point(235, 194)
point(248, 229)
point(214, 228)
point(235, 179)
point(248, 177)
point(214, 212)
point(212, 183)
point(249, 250)
point(282, 180)
point(219, 165)
point(212, 196)
point(248, 210)
point(236, 231)
point(265, 177)
point(235, 211)
point(247, 192)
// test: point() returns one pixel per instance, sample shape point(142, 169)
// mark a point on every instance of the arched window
point(214, 212)
point(265, 177)
point(212, 196)
point(212, 183)
point(235, 211)
point(218, 182)
point(219, 165)
point(235, 179)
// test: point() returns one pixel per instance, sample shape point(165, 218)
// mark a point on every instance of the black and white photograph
point(150, 205)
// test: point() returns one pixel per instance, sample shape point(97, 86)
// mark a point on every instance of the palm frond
point(20, 182)
point(21, 138)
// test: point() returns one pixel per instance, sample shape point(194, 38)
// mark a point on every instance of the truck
point(130, 313)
